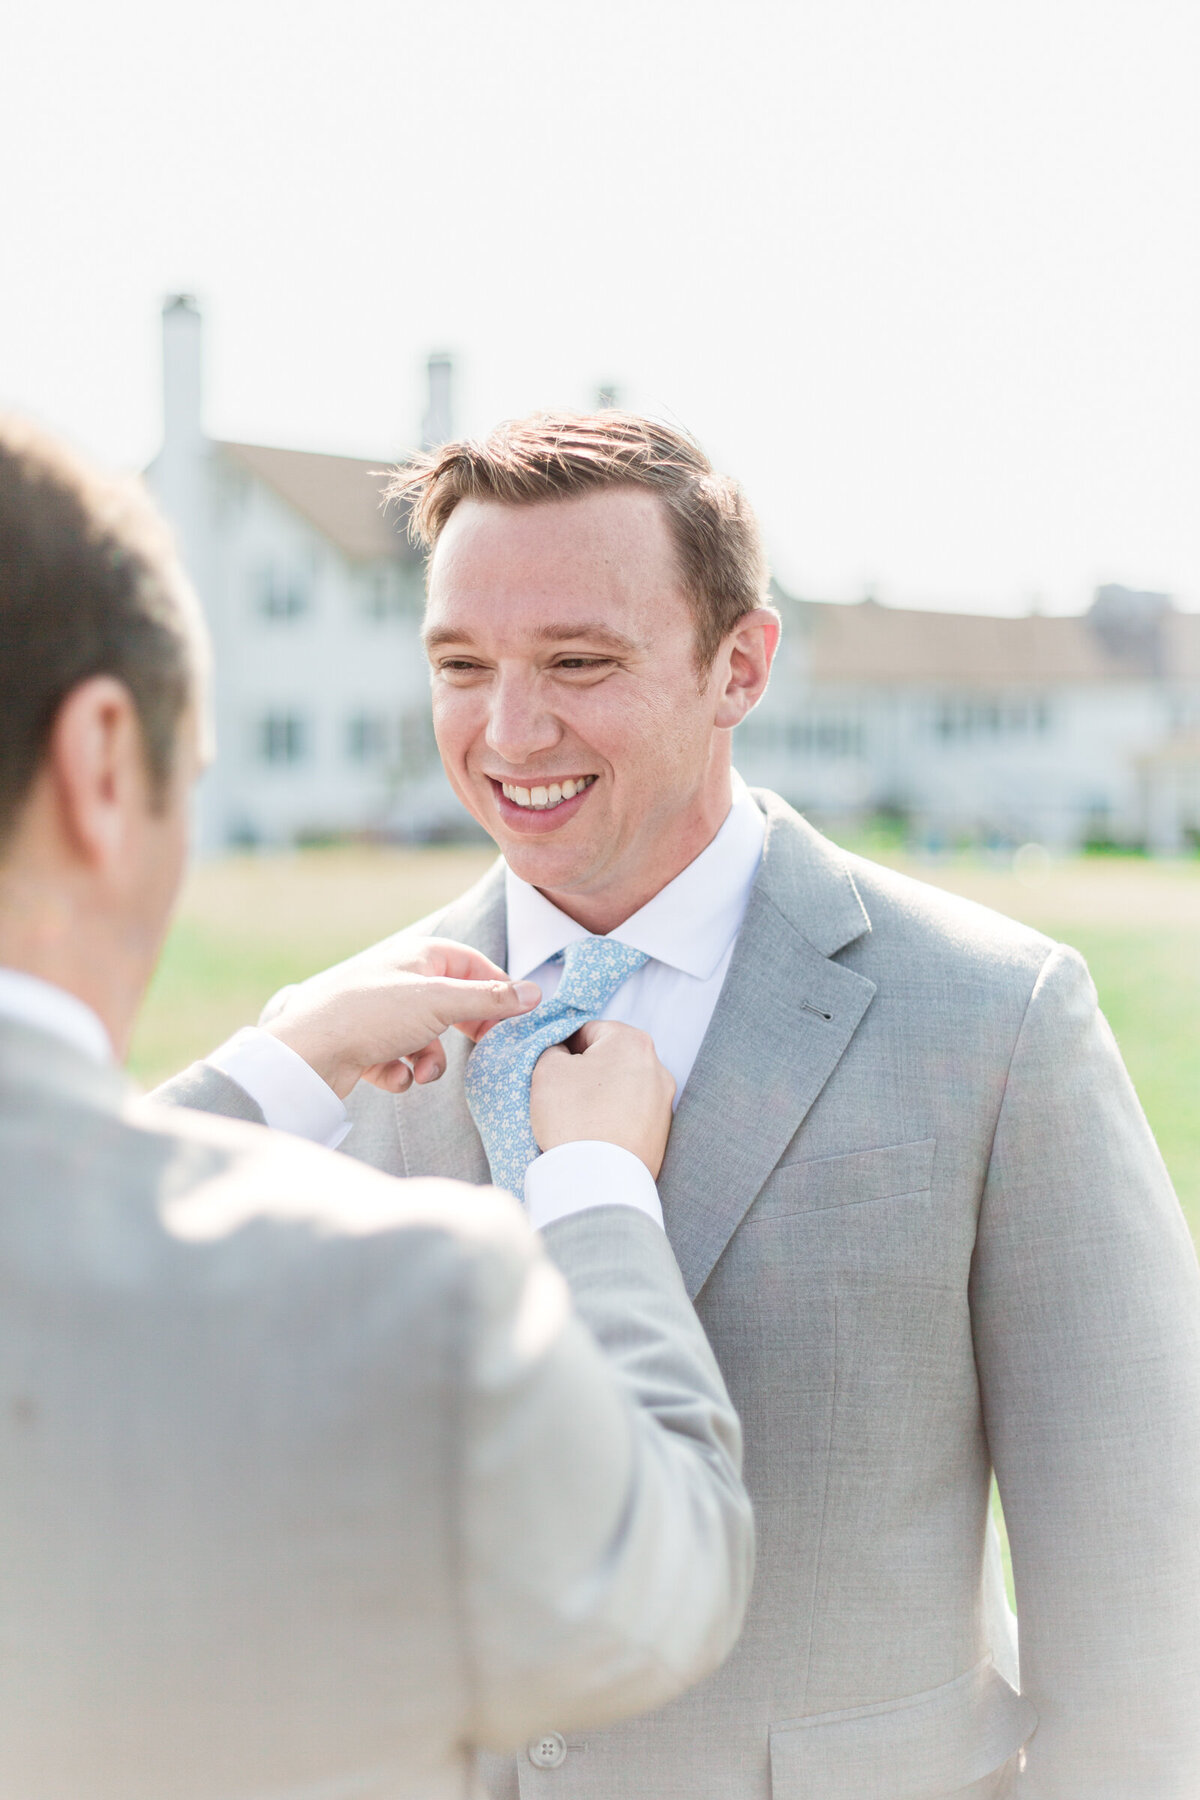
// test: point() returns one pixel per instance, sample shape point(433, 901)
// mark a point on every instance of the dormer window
point(281, 594)
point(283, 738)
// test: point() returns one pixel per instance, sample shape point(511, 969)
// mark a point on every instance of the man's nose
point(519, 725)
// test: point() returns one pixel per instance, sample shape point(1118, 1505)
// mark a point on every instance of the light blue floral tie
point(500, 1067)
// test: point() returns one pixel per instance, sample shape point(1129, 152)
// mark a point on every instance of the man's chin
point(540, 862)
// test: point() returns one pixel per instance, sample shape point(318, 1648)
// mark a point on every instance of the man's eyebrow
point(595, 631)
point(444, 634)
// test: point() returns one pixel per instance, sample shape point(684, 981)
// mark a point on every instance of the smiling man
point(908, 1181)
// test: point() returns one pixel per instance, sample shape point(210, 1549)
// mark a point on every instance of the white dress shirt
point(52, 1009)
point(688, 931)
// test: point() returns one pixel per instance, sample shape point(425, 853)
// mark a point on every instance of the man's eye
point(584, 662)
point(457, 665)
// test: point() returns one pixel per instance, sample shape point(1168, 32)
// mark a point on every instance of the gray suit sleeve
point(1086, 1304)
point(607, 1541)
point(205, 1089)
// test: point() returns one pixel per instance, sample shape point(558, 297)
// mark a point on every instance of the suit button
point(547, 1751)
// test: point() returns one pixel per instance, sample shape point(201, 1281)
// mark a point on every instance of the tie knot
point(501, 1065)
point(593, 970)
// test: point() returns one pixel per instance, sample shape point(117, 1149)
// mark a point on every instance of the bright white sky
point(925, 275)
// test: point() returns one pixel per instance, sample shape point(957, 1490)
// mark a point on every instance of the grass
point(248, 924)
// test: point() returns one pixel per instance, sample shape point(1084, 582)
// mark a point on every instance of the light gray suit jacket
point(311, 1480)
point(930, 1235)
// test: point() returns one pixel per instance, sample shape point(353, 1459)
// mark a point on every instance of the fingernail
point(527, 992)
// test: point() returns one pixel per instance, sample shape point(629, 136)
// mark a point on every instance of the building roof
point(340, 495)
point(872, 643)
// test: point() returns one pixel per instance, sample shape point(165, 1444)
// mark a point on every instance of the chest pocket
point(818, 1184)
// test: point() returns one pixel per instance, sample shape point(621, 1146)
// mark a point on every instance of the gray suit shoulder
point(938, 930)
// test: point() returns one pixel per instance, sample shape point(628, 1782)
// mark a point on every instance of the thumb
point(461, 1002)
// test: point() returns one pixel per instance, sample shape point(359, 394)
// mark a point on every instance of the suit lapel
point(785, 1016)
point(436, 1131)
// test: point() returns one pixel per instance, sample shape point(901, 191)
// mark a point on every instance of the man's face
point(569, 710)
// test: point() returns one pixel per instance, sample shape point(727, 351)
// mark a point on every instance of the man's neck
point(46, 935)
point(607, 909)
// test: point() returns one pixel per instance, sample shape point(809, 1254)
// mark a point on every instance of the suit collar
point(478, 917)
point(808, 880)
point(32, 1001)
point(33, 1059)
point(786, 1014)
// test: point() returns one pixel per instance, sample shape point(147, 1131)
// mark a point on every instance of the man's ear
point(746, 657)
point(97, 771)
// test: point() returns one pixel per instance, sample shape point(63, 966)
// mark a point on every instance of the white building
point(1061, 730)
point(314, 599)
point(966, 726)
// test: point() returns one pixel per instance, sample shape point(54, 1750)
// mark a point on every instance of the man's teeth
point(542, 797)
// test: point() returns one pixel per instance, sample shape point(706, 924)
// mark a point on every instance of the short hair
point(556, 455)
point(89, 585)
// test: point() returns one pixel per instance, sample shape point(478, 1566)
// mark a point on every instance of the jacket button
point(547, 1751)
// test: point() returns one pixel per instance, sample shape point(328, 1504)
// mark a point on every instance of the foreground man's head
point(597, 624)
point(101, 696)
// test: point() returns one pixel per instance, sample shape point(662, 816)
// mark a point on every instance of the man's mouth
point(545, 799)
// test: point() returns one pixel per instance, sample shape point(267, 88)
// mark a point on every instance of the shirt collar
point(689, 924)
point(52, 1009)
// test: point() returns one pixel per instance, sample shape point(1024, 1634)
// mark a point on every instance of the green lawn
point(248, 924)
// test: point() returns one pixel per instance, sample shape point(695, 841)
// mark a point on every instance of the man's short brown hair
point(89, 585)
point(555, 455)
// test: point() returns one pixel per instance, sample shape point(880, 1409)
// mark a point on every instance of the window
point(281, 595)
point(976, 721)
point(418, 746)
point(807, 735)
point(282, 738)
point(367, 738)
point(388, 594)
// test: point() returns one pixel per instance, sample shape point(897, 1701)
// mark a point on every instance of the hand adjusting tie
point(500, 1067)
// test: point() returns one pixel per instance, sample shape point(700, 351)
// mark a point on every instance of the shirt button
point(547, 1751)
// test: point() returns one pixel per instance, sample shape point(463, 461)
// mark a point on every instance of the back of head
point(557, 455)
point(89, 585)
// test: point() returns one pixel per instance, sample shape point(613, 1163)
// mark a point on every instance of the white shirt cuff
point(573, 1177)
point(291, 1096)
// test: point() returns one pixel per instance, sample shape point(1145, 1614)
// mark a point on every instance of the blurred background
point(925, 277)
